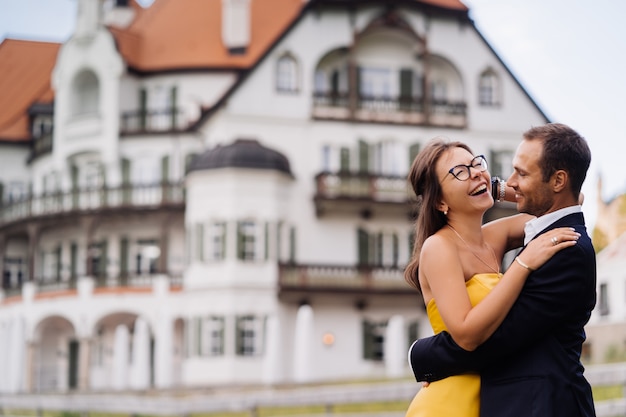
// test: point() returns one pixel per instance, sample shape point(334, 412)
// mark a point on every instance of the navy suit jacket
point(531, 365)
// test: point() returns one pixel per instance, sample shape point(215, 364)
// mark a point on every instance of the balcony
point(166, 195)
point(153, 121)
point(301, 280)
point(385, 109)
point(362, 193)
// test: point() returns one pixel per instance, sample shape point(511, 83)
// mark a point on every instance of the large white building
point(209, 192)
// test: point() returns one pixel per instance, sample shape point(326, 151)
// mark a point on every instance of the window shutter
point(1, 193)
point(240, 241)
point(143, 108)
point(223, 240)
point(364, 157)
point(238, 336)
point(368, 351)
point(74, 179)
point(413, 332)
point(406, 88)
point(57, 254)
point(221, 335)
point(414, 149)
point(292, 245)
point(198, 331)
point(165, 169)
point(396, 248)
point(200, 242)
point(363, 245)
point(73, 260)
point(344, 163)
point(104, 259)
point(173, 108)
point(124, 257)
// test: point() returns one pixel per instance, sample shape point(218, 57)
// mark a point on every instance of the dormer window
point(488, 89)
point(287, 74)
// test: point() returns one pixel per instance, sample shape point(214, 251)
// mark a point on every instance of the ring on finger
point(554, 240)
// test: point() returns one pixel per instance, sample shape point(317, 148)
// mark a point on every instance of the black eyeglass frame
point(482, 166)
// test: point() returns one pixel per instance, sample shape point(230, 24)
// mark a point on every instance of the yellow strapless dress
point(455, 396)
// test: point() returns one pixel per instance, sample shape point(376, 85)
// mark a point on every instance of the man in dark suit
point(531, 365)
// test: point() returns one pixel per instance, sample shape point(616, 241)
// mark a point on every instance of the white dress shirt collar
point(534, 226)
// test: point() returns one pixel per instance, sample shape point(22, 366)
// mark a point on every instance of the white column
point(272, 362)
point(16, 357)
point(164, 351)
point(120, 357)
point(303, 345)
point(395, 348)
point(4, 352)
point(140, 377)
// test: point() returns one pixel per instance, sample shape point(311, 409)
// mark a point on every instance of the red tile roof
point(25, 72)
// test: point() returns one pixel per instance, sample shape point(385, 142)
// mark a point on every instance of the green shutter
point(240, 242)
point(406, 88)
point(495, 167)
point(165, 169)
point(221, 346)
point(344, 162)
point(74, 179)
point(414, 149)
point(368, 348)
point(363, 247)
point(1, 193)
point(413, 332)
point(124, 253)
point(104, 259)
point(364, 157)
point(143, 108)
point(396, 249)
point(200, 242)
point(174, 108)
point(198, 328)
point(73, 260)
point(57, 254)
point(126, 186)
point(238, 336)
point(292, 245)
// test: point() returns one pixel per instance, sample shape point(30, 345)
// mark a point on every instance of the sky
point(570, 56)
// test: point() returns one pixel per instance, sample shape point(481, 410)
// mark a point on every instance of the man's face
point(533, 196)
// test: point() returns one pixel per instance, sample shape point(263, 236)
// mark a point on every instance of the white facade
point(125, 270)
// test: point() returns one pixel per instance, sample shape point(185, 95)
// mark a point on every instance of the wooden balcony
point(364, 194)
point(386, 109)
point(302, 280)
point(137, 197)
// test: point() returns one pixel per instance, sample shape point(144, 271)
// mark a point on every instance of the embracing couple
point(506, 343)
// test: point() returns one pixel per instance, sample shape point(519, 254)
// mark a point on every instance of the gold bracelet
point(522, 264)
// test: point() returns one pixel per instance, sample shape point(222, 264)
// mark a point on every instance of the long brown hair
point(425, 184)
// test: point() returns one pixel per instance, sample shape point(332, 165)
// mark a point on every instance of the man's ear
point(559, 180)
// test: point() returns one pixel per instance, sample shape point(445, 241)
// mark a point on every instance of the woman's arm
point(441, 268)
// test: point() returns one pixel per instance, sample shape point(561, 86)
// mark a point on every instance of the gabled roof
point(25, 72)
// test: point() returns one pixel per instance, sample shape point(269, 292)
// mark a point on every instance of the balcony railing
point(390, 109)
point(372, 187)
point(150, 121)
point(337, 278)
point(127, 280)
point(136, 196)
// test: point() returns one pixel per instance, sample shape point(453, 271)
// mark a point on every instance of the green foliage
point(599, 239)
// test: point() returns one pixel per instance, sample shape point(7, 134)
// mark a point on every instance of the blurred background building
point(206, 192)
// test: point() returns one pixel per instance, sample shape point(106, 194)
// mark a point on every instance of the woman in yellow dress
point(456, 263)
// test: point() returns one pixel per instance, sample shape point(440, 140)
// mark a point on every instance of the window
point(251, 240)
point(375, 82)
point(501, 163)
point(373, 340)
point(217, 251)
point(147, 256)
point(604, 299)
point(248, 336)
point(379, 249)
point(488, 89)
point(211, 331)
point(85, 94)
point(287, 74)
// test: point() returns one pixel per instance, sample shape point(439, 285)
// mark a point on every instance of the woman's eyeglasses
point(463, 173)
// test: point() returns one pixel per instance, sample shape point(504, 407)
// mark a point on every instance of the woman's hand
point(543, 247)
